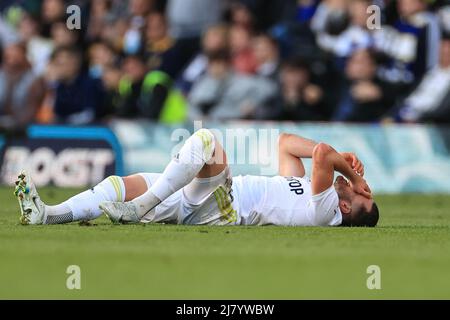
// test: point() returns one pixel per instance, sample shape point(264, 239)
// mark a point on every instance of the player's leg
point(213, 174)
point(201, 156)
point(81, 207)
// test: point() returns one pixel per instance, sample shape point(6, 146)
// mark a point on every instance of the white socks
point(194, 154)
point(84, 206)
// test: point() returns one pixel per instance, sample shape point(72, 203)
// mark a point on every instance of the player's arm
point(325, 162)
point(292, 148)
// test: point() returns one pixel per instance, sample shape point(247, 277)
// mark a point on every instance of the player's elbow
point(283, 140)
point(321, 151)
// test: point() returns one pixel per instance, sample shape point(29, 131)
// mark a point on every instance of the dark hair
point(362, 218)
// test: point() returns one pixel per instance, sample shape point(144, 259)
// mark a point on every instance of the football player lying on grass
point(197, 188)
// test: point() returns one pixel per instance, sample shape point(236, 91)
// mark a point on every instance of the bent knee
point(208, 141)
point(135, 186)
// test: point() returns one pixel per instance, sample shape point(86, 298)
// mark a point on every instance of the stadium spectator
point(224, 94)
point(133, 38)
point(293, 30)
point(7, 34)
point(176, 37)
point(188, 19)
point(299, 99)
point(355, 36)
point(63, 37)
point(52, 11)
point(241, 16)
point(364, 97)
point(111, 77)
point(114, 33)
point(266, 53)
point(134, 93)
point(160, 101)
point(430, 101)
point(243, 57)
point(39, 48)
point(45, 114)
point(261, 15)
point(99, 12)
point(411, 45)
point(129, 89)
point(162, 52)
point(79, 97)
point(21, 92)
point(330, 20)
point(101, 56)
point(215, 39)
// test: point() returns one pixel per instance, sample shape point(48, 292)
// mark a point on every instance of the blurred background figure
point(99, 13)
point(162, 52)
point(39, 48)
point(430, 101)
point(351, 17)
point(364, 97)
point(129, 87)
point(21, 92)
point(52, 11)
point(146, 58)
point(410, 45)
point(223, 94)
point(101, 56)
point(215, 39)
point(299, 100)
point(188, 19)
point(243, 56)
point(133, 38)
point(63, 37)
point(79, 96)
point(267, 56)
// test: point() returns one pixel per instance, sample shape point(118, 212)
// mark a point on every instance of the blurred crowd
point(177, 60)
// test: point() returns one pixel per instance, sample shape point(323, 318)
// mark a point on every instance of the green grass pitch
point(411, 246)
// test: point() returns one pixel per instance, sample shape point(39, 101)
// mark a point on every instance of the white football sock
point(85, 206)
point(196, 151)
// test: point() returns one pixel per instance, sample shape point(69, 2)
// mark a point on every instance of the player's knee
point(207, 141)
point(116, 181)
point(109, 180)
point(204, 134)
point(113, 177)
point(113, 187)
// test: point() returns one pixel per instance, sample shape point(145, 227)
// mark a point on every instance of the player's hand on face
point(360, 186)
point(354, 162)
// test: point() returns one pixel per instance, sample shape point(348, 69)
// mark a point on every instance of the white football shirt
point(286, 201)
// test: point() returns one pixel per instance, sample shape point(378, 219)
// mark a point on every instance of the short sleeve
point(323, 209)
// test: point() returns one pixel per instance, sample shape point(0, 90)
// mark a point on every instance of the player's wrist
point(354, 177)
